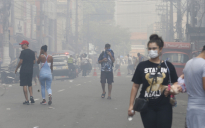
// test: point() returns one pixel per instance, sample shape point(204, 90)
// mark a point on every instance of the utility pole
point(167, 22)
point(6, 14)
point(163, 24)
point(171, 31)
point(31, 36)
point(41, 22)
point(193, 13)
point(179, 20)
point(68, 22)
point(88, 38)
point(76, 27)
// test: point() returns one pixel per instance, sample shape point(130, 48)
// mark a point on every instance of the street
point(77, 104)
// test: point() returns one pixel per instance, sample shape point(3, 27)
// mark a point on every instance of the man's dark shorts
point(106, 76)
point(26, 79)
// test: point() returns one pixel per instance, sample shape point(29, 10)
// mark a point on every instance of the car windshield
point(176, 57)
point(60, 59)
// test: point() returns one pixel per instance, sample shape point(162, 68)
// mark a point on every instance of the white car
point(60, 65)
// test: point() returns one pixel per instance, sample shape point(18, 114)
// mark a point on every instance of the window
point(175, 57)
point(59, 59)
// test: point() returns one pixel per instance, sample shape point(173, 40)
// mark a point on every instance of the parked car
point(60, 65)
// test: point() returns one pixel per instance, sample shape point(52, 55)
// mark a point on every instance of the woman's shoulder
point(49, 56)
point(169, 64)
point(144, 62)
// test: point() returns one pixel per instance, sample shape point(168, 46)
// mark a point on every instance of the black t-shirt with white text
point(28, 57)
point(144, 75)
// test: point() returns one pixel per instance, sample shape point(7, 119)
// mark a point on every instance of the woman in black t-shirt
point(159, 112)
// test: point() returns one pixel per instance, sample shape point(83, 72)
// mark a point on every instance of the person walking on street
point(35, 70)
point(130, 67)
point(27, 60)
point(106, 59)
point(84, 63)
point(154, 76)
point(194, 75)
point(117, 66)
point(45, 75)
point(71, 66)
point(140, 57)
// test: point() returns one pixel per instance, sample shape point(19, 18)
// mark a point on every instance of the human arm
point(19, 64)
point(137, 81)
point(112, 57)
point(203, 78)
point(51, 64)
point(135, 88)
point(103, 60)
point(174, 79)
point(100, 59)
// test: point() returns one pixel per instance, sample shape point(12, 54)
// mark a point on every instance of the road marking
point(78, 84)
point(36, 99)
point(10, 85)
point(61, 90)
point(128, 76)
point(8, 108)
point(71, 80)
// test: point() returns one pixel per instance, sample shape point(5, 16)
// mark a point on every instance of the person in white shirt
point(117, 66)
point(130, 64)
point(84, 62)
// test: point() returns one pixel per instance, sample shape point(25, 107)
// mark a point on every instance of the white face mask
point(153, 53)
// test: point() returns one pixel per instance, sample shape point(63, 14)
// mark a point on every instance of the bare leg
point(30, 90)
point(103, 88)
point(109, 90)
point(25, 92)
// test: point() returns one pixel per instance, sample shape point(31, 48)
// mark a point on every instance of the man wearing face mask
point(154, 76)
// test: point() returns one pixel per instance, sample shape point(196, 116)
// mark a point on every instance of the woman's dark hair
point(44, 48)
point(203, 49)
point(158, 40)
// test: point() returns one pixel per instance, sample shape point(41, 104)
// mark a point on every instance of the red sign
point(177, 45)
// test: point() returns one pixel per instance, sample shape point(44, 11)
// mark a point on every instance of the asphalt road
point(77, 104)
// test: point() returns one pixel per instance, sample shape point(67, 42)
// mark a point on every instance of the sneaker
point(32, 100)
point(50, 100)
point(26, 102)
point(43, 102)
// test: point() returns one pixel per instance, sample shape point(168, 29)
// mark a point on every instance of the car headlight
point(65, 67)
